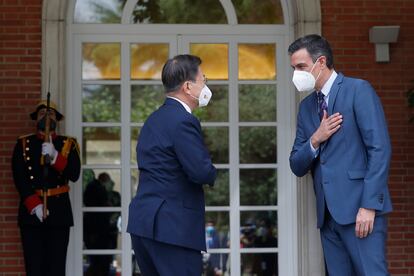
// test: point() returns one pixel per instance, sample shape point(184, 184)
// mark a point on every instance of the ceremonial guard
point(43, 164)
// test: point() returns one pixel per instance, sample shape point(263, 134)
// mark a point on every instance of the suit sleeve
point(192, 153)
point(373, 128)
point(26, 192)
point(69, 165)
point(301, 156)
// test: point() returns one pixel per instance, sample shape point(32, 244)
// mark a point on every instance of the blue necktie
point(321, 104)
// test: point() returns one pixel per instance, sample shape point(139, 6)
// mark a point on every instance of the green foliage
point(101, 103)
point(179, 12)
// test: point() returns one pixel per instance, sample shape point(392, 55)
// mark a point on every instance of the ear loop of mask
point(314, 67)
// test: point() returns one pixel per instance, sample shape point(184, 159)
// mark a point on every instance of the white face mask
point(205, 96)
point(305, 81)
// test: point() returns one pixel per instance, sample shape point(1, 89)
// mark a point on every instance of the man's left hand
point(364, 224)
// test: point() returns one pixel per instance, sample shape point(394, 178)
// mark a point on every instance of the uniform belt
point(54, 191)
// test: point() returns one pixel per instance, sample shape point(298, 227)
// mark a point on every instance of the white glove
point(38, 211)
point(49, 149)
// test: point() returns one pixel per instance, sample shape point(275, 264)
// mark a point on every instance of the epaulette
point(27, 135)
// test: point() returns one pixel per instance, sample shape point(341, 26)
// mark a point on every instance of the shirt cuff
point(314, 151)
point(31, 202)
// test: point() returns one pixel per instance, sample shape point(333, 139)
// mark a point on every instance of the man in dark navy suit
point(166, 217)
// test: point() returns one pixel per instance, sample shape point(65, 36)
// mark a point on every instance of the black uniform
point(45, 243)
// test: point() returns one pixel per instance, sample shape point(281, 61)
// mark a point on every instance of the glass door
point(240, 130)
point(118, 84)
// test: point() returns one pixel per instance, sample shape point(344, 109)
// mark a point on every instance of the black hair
point(316, 46)
point(179, 69)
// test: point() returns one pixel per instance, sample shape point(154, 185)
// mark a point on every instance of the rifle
point(46, 158)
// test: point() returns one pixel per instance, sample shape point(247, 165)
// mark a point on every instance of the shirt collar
point(328, 84)
point(182, 103)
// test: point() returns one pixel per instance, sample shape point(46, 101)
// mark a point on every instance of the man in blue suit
point(166, 217)
point(342, 139)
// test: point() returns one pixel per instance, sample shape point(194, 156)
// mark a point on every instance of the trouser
point(44, 249)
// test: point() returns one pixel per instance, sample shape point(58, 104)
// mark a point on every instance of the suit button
point(31, 177)
point(28, 158)
point(30, 168)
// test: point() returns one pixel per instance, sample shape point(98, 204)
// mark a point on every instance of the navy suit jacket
point(351, 169)
point(174, 164)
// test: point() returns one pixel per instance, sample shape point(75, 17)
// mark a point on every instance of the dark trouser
point(347, 255)
point(161, 259)
point(45, 250)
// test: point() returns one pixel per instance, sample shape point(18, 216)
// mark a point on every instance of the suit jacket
point(351, 169)
point(174, 164)
point(28, 177)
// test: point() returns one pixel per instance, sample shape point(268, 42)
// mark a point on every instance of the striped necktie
point(321, 104)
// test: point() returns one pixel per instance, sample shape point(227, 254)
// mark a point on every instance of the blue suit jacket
point(351, 169)
point(174, 164)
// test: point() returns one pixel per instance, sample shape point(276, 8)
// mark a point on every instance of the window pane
point(102, 265)
point(102, 230)
point(216, 264)
point(98, 11)
point(218, 195)
point(134, 140)
point(217, 142)
point(257, 61)
point(101, 188)
point(179, 12)
point(217, 230)
point(258, 11)
point(257, 103)
point(145, 99)
point(258, 229)
point(147, 60)
point(134, 182)
point(101, 103)
point(215, 59)
point(218, 107)
point(101, 145)
point(258, 187)
point(101, 61)
point(259, 264)
point(258, 145)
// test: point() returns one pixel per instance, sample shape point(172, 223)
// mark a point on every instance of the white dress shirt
point(182, 103)
point(326, 88)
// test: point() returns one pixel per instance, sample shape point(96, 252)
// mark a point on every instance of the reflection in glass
point(102, 230)
point(216, 264)
point(218, 195)
point(145, 99)
point(258, 145)
point(179, 12)
point(258, 11)
point(101, 187)
point(104, 265)
point(147, 60)
point(257, 103)
point(134, 182)
point(215, 59)
point(98, 11)
point(218, 107)
point(134, 140)
point(217, 230)
point(217, 142)
point(258, 187)
point(258, 229)
point(257, 61)
point(101, 103)
point(101, 61)
point(101, 145)
point(259, 264)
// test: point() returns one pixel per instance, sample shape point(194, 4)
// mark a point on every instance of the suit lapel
point(332, 98)
point(334, 92)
